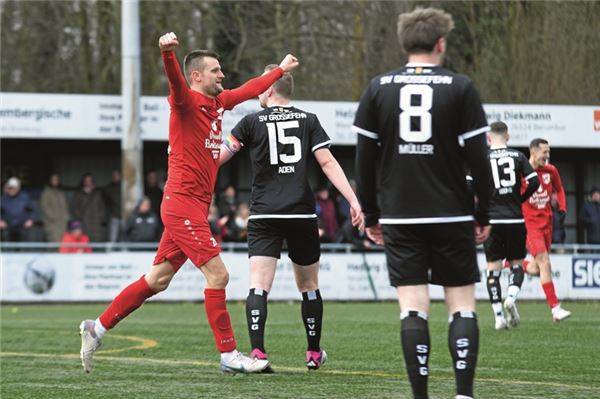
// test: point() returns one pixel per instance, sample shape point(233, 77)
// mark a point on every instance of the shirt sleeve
point(473, 125)
point(318, 136)
point(365, 123)
point(367, 150)
point(529, 177)
point(240, 131)
point(473, 119)
point(179, 97)
point(250, 89)
point(557, 186)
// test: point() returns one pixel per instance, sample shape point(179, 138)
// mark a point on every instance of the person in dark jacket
point(88, 207)
point(112, 200)
point(143, 225)
point(18, 212)
point(590, 216)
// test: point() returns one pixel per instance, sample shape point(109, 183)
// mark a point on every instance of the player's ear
point(196, 76)
point(440, 45)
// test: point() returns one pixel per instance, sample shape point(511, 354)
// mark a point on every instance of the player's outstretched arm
point(258, 85)
point(336, 176)
point(177, 84)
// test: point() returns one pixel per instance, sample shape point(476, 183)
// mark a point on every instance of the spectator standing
point(112, 200)
point(143, 224)
point(590, 217)
point(327, 214)
point(88, 207)
point(17, 212)
point(237, 226)
point(55, 211)
point(228, 202)
point(153, 191)
point(75, 235)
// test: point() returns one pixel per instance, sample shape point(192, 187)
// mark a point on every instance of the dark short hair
point(193, 61)
point(535, 143)
point(285, 85)
point(419, 30)
point(499, 128)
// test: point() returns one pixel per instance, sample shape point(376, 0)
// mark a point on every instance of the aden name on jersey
point(286, 169)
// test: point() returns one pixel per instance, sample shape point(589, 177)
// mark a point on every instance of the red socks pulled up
point(131, 298)
point(550, 294)
point(218, 319)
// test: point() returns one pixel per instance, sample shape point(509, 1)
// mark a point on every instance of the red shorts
point(187, 232)
point(539, 240)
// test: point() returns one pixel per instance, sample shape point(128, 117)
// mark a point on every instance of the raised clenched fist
point(289, 62)
point(168, 42)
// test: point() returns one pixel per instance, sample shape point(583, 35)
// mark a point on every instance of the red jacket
point(69, 238)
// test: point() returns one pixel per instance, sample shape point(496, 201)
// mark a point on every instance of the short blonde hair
point(285, 85)
point(419, 30)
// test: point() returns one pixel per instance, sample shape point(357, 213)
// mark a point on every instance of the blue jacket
point(16, 210)
point(590, 217)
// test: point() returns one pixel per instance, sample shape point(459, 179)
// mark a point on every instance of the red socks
point(550, 294)
point(218, 318)
point(131, 298)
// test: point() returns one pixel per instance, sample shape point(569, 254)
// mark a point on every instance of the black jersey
point(280, 140)
point(508, 168)
point(426, 125)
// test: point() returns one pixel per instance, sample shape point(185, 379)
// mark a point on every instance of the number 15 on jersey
point(276, 133)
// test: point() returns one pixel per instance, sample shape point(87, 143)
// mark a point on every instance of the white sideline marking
point(146, 360)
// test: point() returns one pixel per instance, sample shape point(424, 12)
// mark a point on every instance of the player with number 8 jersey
point(418, 128)
point(437, 112)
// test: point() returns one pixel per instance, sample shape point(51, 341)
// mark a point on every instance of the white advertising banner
point(98, 117)
point(43, 277)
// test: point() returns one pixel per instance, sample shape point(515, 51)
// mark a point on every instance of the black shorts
point(440, 253)
point(265, 238)
point(506, 241)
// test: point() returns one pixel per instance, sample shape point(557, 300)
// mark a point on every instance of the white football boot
point(512, 314)
point(238, 363)
point(89, 344)
point(559, 314)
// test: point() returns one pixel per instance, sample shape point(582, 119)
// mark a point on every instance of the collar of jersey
point(280, 106)
point(497, 147)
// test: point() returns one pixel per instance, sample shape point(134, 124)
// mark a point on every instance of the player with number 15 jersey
point(281, 140)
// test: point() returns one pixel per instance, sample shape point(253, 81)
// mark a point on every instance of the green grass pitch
point(167, 351)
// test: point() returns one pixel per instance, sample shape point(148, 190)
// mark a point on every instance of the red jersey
point(195, 129)
point(538, 209)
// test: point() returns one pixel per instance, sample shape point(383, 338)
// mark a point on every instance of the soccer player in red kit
point(194, 146)
point(538, 221)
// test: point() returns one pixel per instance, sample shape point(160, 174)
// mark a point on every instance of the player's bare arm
point(336, 176)
point(168, 42)
point(229, 148)
point(289, 63)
